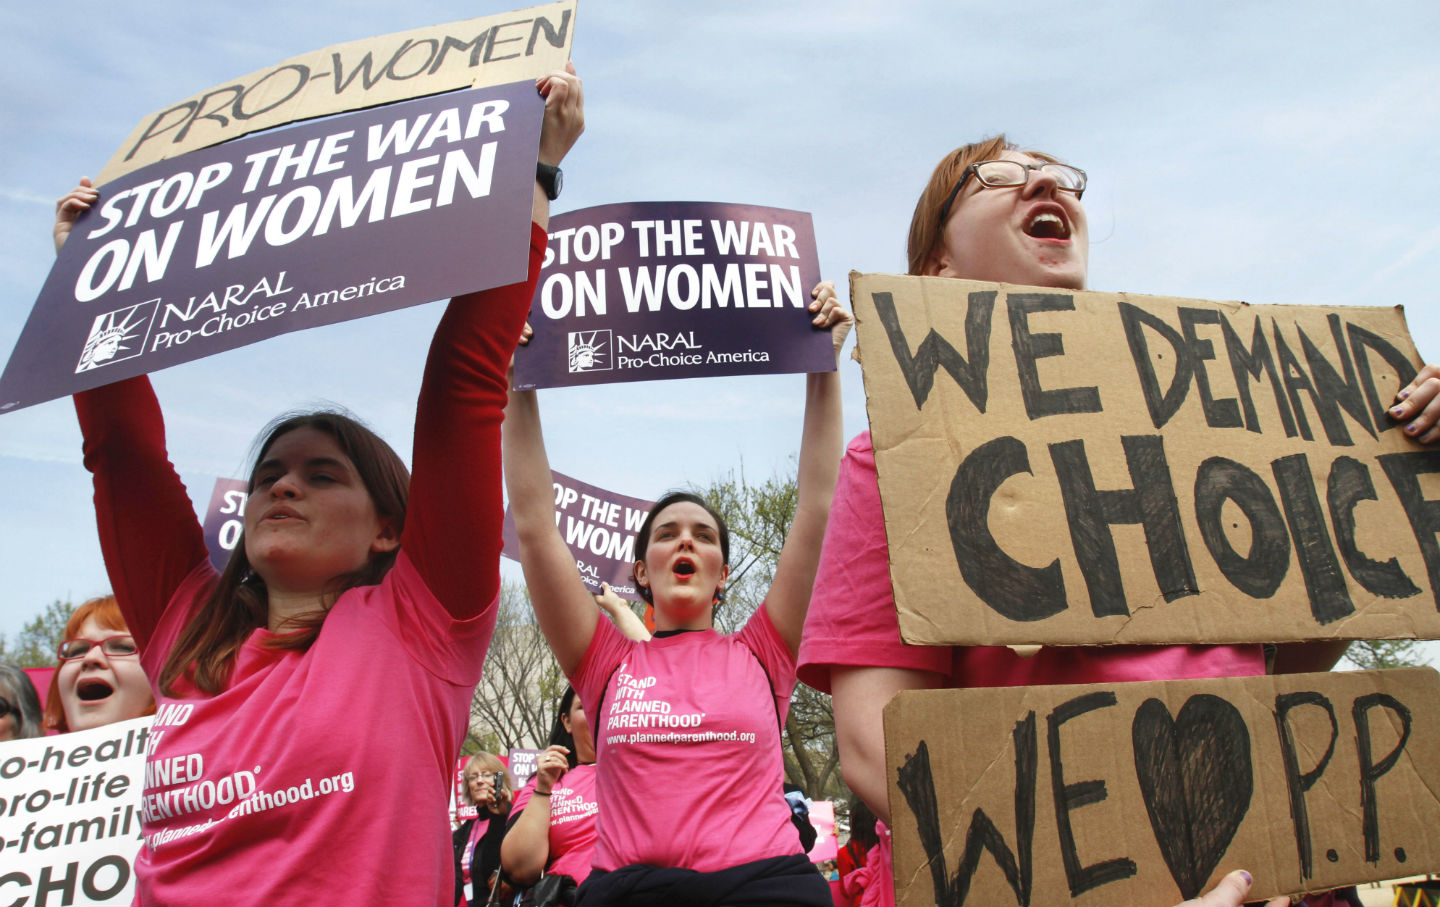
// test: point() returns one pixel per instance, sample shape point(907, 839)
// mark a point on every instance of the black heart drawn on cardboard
point(1196, 779)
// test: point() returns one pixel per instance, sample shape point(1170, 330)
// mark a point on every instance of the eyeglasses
point(482, 776)
point(114, 646)
point(1000, 174)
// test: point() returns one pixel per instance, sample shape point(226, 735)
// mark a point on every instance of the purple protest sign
point(323, 222)
point(599, 526)
point(649, 290)
point(225, 519)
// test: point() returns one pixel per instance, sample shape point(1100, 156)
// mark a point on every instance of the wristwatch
point(550, 179)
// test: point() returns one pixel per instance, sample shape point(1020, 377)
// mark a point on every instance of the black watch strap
point(550, 179)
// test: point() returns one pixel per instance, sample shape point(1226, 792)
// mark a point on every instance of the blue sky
point(1272, 152)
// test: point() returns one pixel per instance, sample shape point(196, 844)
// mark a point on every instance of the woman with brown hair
point(990, 211)
point(327, 673)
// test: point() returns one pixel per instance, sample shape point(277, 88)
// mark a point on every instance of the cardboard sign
point(225, 519)
point(1090, 468)
point(652, 290)
point(492, 50)
point(599, 527)
point(70, 815)
point(1149, 793)
point(326, 222)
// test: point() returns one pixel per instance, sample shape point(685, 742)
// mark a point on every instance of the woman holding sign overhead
point(359, 597)
point(690, 717)
point(990, 212)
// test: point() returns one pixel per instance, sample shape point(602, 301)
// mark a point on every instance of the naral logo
point(590, 351)
point(117, 336)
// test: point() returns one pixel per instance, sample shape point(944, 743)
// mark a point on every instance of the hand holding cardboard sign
point(70, 206)
point(564, 113)
point(830, 314)
point(1231, 892)
point(1419, 402)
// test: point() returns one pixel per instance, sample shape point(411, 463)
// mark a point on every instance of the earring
point(719, 596)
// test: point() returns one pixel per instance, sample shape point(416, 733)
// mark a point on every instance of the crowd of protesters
point(363, 592)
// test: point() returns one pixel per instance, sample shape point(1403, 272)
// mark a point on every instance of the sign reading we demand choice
point(325, 222)
point(599, 527)
point(647, 290)
point(1086, 468)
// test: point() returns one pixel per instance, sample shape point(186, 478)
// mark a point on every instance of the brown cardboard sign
point(1149, 793)
point(1090, 468)
point(490, 50)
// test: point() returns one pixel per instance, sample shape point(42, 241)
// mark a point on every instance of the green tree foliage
point(1375, 654)
point(515, 701)
point(34, 646)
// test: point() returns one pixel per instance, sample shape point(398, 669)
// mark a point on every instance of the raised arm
point(821, 444)
point(149, 535)
point(526, 848)
point(619, 610)
point(563, 606)
point(452, 527)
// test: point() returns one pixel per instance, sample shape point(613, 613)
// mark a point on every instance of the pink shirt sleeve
point(761, 638)
point(852, 619)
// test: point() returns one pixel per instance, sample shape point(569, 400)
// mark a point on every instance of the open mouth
point(684, 568)
point(93, 689)
point(1047, 225)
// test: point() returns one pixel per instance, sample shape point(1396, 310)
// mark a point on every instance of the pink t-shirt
point(572, 821)
point(852, 620)
point(687, 740)
point(335, 751)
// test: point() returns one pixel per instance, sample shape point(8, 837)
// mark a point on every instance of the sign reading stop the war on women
point(647, 290)
point(1091, 468)
point(70, 815)
point(325, 222)
point(225, 519)
point(599, 527)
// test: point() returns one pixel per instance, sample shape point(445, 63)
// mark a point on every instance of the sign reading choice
point(1091, 468)
point(326, 222)
point(599, 527)
point(635, 292)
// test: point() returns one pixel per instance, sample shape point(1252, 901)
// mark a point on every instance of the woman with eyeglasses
point(314, 693)
point(477, 841)
point(19, 705)
point(992, 212)
point(100, 680)
point(701, 712)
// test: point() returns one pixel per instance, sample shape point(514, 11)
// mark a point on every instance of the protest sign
point(599, 527)
point(1149, 793)
point(326, 222)
point(460, 808)
point(822, 819)
point(225, 519)
point(649, 290)
point(70, 815)
point(491, 50)
point(521, 765)
point(1090, 468)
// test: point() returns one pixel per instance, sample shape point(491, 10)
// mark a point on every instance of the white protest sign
point(70, 815)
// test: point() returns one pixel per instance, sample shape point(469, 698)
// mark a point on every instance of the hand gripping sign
point(647, 290)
